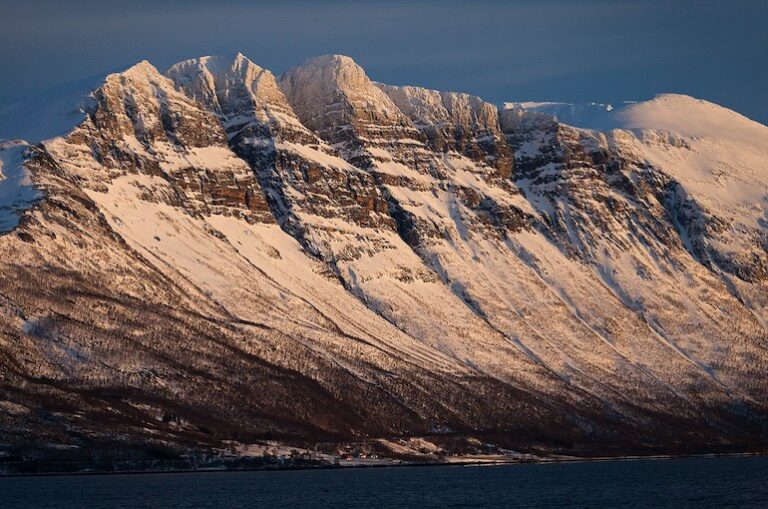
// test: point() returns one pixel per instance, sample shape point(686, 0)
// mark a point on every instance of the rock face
point(244, 95)
point(215, 255)
point(332, 95)
point(455, 122)
point(140, 123)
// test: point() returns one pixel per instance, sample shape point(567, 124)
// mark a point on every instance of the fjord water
point(685, 482)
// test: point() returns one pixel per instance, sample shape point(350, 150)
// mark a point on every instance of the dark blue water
point(700, 483)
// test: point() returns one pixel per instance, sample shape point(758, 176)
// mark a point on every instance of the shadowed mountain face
point(216, 256)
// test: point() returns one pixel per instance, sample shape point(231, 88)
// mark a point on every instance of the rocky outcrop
point(456, 122)
point(245, 96)
point(140, 124)
point(305, 181)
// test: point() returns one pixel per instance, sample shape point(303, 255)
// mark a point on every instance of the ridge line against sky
point(558, 50)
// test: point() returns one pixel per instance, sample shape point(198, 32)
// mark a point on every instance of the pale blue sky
point(565, 50)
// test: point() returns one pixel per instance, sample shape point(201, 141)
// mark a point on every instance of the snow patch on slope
point(17, 192)
point(48, 114)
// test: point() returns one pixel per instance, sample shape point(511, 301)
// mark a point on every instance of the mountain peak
point(336, 71)
point(239, 90)
point(214, 65)
point(141, 69)
point(213, 79)
point(331, 92)
point(689, 116)
point(331, 60)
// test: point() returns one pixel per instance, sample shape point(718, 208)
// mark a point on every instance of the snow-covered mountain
point(214, 255)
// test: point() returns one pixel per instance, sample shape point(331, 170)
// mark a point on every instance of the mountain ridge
point(383, 262)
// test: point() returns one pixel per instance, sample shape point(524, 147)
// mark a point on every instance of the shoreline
point(406, 464)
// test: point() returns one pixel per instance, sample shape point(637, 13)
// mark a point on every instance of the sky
point(527, 50)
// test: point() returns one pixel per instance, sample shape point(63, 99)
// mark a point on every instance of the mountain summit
point(213, 259)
